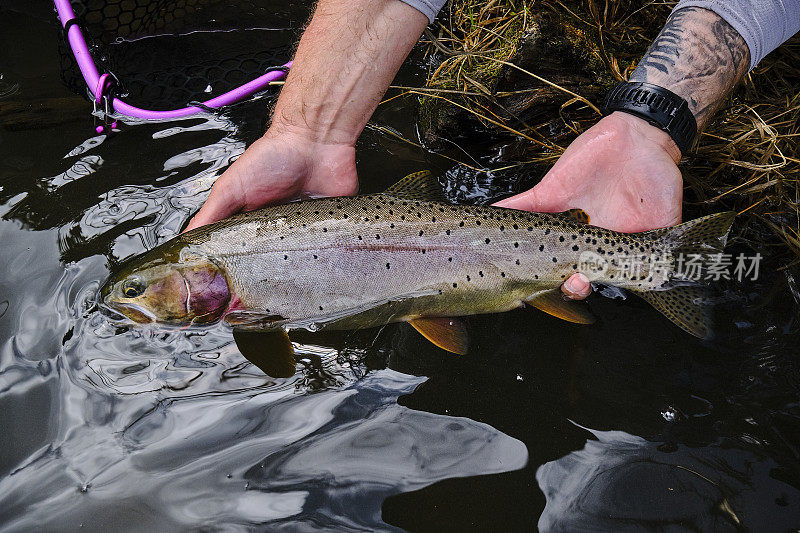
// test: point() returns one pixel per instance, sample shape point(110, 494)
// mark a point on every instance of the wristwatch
point(658, 106)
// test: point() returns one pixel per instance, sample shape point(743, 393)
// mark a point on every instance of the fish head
point(169, 285)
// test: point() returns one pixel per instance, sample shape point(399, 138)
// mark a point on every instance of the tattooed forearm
point(698, 56)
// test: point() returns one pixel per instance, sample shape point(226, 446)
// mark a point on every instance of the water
point(626, 424)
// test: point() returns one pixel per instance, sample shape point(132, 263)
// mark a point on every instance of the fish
point(403, 255)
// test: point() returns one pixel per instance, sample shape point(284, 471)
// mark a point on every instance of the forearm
point(346, 60)
point(699, 57)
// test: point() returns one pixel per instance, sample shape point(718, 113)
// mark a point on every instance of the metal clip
point(103, 94)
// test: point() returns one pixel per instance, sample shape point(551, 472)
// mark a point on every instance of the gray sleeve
point(763, 24)
point(429, 8)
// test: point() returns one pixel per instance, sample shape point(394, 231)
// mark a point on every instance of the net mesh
point(167, 53)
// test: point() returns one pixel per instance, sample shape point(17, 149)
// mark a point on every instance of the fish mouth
point(123, 313)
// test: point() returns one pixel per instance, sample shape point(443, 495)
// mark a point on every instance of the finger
point(220, 203)
point(577, 287)
point(540, 198)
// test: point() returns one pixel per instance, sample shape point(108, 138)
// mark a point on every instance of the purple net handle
point(92, 77)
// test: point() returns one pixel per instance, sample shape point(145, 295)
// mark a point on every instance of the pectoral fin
point(271, 351)
point(447, 333)
point(553, 303)
point(252, 320)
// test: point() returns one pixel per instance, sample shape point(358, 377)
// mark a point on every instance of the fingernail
point(572, 284)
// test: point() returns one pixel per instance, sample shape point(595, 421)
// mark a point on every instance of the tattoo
point(698, 56)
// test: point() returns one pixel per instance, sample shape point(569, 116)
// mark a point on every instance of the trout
point(403, 255)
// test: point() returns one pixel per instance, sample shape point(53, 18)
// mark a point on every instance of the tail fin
point(686, 304)
point(704, 236)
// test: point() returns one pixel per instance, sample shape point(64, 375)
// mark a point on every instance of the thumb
point(536, 199)
point(221, 203)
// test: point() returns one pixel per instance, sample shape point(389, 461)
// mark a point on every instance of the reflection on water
point(619, 480)
point(116, 429)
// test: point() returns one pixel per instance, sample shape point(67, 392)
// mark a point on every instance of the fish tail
point(704, 237)
point(685, 303)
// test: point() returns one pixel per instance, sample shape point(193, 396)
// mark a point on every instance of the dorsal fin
point(420, 185)
point(576, 215)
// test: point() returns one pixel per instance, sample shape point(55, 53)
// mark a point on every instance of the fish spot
point(516, 226)
point(450, 259)
point(377, 237)
point(480, 273)
point(541, 247)
point(547, 231)
point(285, 257)
point(575, 248)
point(502, 274)
point(487, 241)
point(477, 222)
point(447, 232)
point(421, 232)
point(391, 225)
point(502, 228)
point(455, 285)
point(320, 308)
point(561, 238)
point(516, 245)
point(468, 278)
point(517, 261)
point(461, 224)
point(387, 266)
point(315, 256)
point(555, 260)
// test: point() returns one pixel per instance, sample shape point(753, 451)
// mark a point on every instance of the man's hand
point(280, 167)
point(346, 59)
point(622, 171)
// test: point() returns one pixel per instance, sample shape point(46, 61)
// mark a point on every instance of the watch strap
point(658, 106)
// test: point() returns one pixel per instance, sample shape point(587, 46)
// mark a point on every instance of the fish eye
point(132, 287)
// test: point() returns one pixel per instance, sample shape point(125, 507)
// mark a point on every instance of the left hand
point(622, 171)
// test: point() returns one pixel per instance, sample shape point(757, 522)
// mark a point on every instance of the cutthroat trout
point(355, 262)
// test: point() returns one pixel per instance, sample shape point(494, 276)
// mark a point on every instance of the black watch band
point(658, 106)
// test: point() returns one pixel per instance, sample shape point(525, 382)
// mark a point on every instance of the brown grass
point(747, 159)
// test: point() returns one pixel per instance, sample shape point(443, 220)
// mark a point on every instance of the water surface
point(624, 425)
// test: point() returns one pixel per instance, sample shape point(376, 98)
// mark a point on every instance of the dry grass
point(747, 159)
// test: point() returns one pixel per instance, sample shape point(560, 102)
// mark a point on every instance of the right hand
point(622, 171)
point(280, 166)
